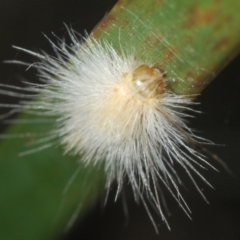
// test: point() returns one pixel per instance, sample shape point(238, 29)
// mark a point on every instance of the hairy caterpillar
point(115, 108)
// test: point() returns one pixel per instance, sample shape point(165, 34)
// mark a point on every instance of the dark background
point(22, 23)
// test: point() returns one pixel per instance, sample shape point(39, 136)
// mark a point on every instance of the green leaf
point(36, 202)
point(189, 40)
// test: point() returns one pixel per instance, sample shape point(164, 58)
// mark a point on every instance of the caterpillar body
point(114, 108)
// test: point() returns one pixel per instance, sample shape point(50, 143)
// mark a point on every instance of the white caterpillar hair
point(116, 109)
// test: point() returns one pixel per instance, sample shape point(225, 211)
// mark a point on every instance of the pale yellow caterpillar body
point(114, 108)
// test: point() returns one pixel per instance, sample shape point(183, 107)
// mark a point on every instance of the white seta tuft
point(115, 109)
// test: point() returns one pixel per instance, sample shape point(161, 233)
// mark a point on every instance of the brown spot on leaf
point(198, 16)
point(224, 22)
point(158, 3)
point(153, 39)
point(190, 75)
point(103, 24)
point(169, 53)
point(221, 44)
